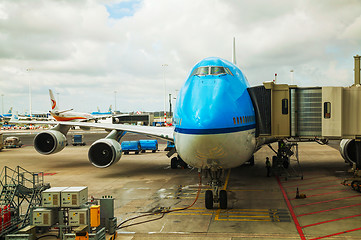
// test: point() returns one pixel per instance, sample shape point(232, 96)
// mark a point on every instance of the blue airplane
point(214, 127)
point(8, 114)
point(108, 113)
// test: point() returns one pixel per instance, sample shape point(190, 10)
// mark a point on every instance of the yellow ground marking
point(246, 220)
point(227, 179)
point(246, 190)
point(240, 215)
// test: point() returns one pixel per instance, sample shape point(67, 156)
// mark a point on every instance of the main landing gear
point(217, 195)
point(177, 161)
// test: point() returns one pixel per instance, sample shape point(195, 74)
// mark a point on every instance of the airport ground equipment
point(44, 217)
point(20, 191)
point(107, 218)
point(52, 197)
point(151, 145)
point(355, 181)
point(130, 146)
point(78, 139)
point(68, 210)
point(286, 161)
point(170, 146)
point(74, 196)
point(12, 142)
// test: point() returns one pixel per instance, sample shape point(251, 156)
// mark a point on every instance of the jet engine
point(104, 152)
point(348, 150)
point(49, 142)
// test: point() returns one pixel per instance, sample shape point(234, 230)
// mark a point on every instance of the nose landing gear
point(217, 195)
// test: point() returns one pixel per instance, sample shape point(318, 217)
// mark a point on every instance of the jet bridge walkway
point(20, 189)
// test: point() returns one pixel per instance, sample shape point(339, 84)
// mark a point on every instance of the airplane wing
point(165, 133)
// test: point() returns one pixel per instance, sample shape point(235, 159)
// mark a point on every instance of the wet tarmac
point(259, 207)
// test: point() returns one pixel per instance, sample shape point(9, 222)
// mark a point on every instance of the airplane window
point(228, 71)
point(285, 106)
point(217, 71)
point(200, 71)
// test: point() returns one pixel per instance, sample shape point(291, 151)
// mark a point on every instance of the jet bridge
point(316, 113)
point(284, 111)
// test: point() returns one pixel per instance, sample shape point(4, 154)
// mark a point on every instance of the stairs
point(20, 190)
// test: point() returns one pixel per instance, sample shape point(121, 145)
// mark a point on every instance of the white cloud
point(85, 53)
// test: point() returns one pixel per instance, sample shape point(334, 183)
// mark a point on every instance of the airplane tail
point(110, 108)
point(14, 117)
point(54, 107)
point(10, 110)
point(98, 109)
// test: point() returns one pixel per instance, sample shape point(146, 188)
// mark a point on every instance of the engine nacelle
point(348, 150)
point(49, 142)
point(104, 152)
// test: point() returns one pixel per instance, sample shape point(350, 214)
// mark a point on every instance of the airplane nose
point(205, 107)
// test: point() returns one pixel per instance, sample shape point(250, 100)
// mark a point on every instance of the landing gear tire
point(182, 163)
point(223, 199)
point(174, 163)
point(209, 199)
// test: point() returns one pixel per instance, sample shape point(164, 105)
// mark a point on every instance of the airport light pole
point(2, 103)
point(28, 70)
point(170, 105)
point(58, 98)
point(165, 94)
point(115, 101)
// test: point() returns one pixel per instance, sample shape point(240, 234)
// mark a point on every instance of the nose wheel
point(216, 196)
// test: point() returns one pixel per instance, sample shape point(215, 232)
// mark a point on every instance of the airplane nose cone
point(206, 106)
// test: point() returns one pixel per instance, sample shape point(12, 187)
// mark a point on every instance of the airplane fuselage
point(214, 117)
point(71, 116)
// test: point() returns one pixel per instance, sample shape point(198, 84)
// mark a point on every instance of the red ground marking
point(332, 180)
point(311, 189)
point(47, 174)
point(298, 227)
point(333, 220)
point(327, 210)
point(335, 234)
point(308, 204)
point(315, 195)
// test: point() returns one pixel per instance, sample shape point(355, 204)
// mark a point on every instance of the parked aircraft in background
point(8, 114)
point(67, 115)
point(103, 113)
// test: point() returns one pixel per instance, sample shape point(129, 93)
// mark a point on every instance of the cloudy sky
point(85, 50)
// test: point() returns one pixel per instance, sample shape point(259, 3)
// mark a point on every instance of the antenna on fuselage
point(234, 51)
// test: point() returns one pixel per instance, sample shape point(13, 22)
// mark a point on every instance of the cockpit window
point(217, 70)
point(228, 71)
point(202, 71)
